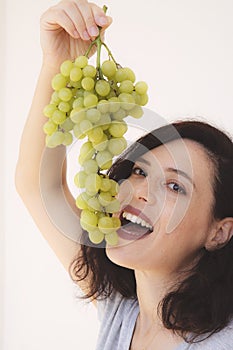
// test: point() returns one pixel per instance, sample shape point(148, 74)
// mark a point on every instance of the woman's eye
point(138, 171)
point(177, 188)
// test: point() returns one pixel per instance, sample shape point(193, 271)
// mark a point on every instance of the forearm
point(32, 144)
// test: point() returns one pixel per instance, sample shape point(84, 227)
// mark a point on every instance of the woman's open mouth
point(133, 227)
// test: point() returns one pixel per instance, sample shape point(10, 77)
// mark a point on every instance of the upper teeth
point(136, 219)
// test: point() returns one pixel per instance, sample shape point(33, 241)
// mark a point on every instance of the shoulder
point(222, 340)
point(115, 303)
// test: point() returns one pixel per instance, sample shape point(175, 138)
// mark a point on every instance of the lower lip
point(130, 237)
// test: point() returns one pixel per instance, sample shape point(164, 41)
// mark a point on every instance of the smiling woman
point(175, 251)
point(169, 280)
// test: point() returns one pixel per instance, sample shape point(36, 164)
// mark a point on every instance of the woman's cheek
point(126, 191)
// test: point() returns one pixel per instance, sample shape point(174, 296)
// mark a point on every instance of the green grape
point(121, 75)
point(93, 115)
point(86, 152)
point(94, 204)
point(141, 87)
point(103, 106)
point(127, 101)
point(126, 86)
point(64, 106)
point(118, 128)
point(108, 68)
point(144, 100)
point(78, 102)
point(86, 126)
point(90, 166)
point(58, 117)
point(89, 71)
point(96, 236)
point(102, 88)
point(55, 98)
point(95, 134)
point(114, 187)
point(105, 198)
point(136, 112)
point(80, 179)
point(76, 84)
point(117, 145)
point(104, 159)
point(114, 104)
point(93, 183)
point(130, 74)
point(49, 109)
point(65, 94)
point(81, 61)
point(80, 92)
point(106, 225)
point(88, 83)
point(105, 121)
point(113, 206)
point(105, 185)
point(55, 139)
point(59, 82)
point(66, 67)
point(77, 115)
point(67, 125)
point(76, 74)
point(112, 93)
point(88, 220)
point(68, 138)
point(112, 238)
point(120, 114)
point(116, 222)
point(90, 100)
point(136, 97)
point(102, 144)
point(81, 200)
point(86, 93)
point(50, 127)
point(77, 132)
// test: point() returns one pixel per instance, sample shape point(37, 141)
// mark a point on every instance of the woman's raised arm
point(66, 32)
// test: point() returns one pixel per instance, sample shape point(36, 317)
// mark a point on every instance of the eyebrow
point(172, 170)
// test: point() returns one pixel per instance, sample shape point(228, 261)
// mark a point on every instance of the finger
point(55, 18)
point(76, 17)
point(100, 17)
point(88, 18)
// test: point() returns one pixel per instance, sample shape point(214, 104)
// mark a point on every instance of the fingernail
point(85, 35)
point(93, 31)
point(103, 20)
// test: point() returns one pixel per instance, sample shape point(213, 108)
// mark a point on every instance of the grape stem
point(99, 43)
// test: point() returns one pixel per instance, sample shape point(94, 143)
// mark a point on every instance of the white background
point(183, 49)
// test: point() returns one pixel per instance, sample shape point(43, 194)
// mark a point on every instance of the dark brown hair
point(203, 301)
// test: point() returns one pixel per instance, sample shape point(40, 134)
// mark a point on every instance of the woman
point(169, 284)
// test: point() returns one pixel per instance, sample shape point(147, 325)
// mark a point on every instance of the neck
point(151, 288)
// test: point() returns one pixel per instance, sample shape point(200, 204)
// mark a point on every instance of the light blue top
point(118, 317)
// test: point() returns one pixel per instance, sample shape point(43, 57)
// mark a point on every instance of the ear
point(220, 235)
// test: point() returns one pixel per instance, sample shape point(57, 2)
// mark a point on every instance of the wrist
point(51, 63)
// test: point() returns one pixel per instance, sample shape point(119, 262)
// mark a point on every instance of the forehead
point(183, 154)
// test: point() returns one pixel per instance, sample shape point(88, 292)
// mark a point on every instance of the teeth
point(136, 219)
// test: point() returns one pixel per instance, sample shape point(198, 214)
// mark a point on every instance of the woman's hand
point(68, 28)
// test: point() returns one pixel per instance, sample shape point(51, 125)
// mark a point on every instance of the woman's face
point(176, 203)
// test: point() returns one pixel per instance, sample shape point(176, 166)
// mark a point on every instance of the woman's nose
point(141, 191)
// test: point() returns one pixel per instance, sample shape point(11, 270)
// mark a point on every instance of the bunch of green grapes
point(91, 102)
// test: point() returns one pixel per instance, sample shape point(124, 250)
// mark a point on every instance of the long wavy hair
point(203, 301)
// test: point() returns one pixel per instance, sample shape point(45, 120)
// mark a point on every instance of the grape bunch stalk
point(92, 102)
